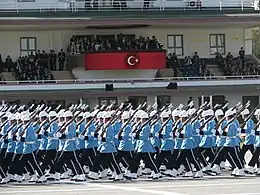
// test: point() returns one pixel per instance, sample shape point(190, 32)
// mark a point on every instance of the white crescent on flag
point(132, 60)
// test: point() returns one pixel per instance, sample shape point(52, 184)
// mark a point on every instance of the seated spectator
point(194, 67)
point(237, 66)
point(80, 44)
point(33, 68)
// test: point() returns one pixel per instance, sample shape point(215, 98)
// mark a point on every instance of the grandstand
point(100, 51)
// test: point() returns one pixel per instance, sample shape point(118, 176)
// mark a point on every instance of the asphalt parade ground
point(208, 185)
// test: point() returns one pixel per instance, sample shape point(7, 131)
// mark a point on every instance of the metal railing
point(130, 80)
point(121, 5)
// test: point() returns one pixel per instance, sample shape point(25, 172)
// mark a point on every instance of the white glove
point(252, 131)
point(197, 131)
point(182, 132)
point(99, 138)
point(81, 136)
point(42, 131)
point(92, 133)
point(134, 134)
point(214, 131)
point(116, 136)
point(239, 129)
point(58, 134)
point(10, 137)
point(220, 131)
point(156, 134)
point(177, 134)
point(171, 134)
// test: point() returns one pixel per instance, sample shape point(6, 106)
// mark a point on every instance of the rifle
point(129, 120)
point(91, 120)
point(190, 118)
point(237, 115)
point(138, 130)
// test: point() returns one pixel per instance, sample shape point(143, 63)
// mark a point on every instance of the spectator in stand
point(52, 60)
point(61, 58)
point(237, 66)
point(242, 53)
point(9, 63)
point(173, 62)
point(81, 44)
point(33, 67)
point(194, 67)
point(220, 61)
point(229, 58)
point(195, 58)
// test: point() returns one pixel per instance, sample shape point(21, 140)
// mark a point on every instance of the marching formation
point(39, 144)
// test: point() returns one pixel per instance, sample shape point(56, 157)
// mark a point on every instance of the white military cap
point(94, 112)
point(176, 112)
point(61, 113)
point(144, 115)
point(25, 112)
point(139, 113)
point(25, 117)
point(229, 112)
point(112, 112)
point(52, 114)
point(131, 112)
point(6, 115)
point(11, 117)
point(125, 115)
point(191, 111)
point(164, 114)
point(106, 115)
point(68, 114)
point(208, 112)
point(43, 114)
point(184, 113)
point(81, 114)
point(18, 116)
point(219, 112)
point(87, 115)
point(100, 114)
point(257, 112)
point(245, 112)
point(153, 113)
point(76, 113)
point(62, 110)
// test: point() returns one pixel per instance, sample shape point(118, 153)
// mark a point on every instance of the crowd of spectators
point(82, 44)
point(237, 66)
point(189, 66)
point(36, 66)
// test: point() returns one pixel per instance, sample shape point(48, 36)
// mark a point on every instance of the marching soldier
point(107, 150)
point(188, 146)
point(125, 148)
point(249, 135)
point(144, 149)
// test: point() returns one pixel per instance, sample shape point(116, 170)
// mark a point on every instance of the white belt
point(53, 138)
point(73, 139)
point(232, 137)
point(29, 142)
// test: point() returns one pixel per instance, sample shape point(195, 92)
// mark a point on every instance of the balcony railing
point(131, 80)
point(18, 6)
